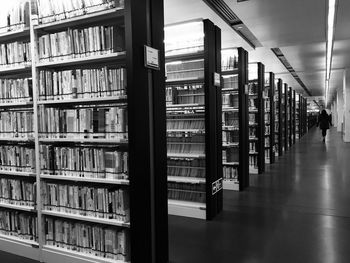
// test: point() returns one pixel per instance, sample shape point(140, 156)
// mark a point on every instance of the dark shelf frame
point(279, 105)
point(260, 130)
point(285, 117)
point(242, 72)
point(147, 149)
point(271, 95)
point(213, 117)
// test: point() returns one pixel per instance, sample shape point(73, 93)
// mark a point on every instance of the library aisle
point(297, 212)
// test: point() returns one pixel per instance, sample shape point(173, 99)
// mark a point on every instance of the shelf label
point(151, 57)
point(216, 186)
point(217, 79)
point(246, 89)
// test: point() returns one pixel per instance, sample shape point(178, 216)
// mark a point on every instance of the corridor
point(298, 211)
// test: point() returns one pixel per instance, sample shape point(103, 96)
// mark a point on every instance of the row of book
point(230, 137)
point(267, 129)
point(230, 100)
point(108, 122)
point(230, 118)
point(17, 158)
point(18, 224)
point(267, 154)
point(190, 43)
point(183, 171)
point(230, 172)
point(229, 62)
point(252, 132)
point(187, 192)
point(95, 240)
point(108, 203)
point(51, 10)
point(82, 83)
point(17, 192)
point(85, 162)
point(230, 155)
point(16, 124)
point(190, 69)
point(253, 161)
point(252, 118)
point(183, 122)
point(16, 17)
point(252, 147)
point(15, 54)
point(186, 94)
point(16, 90)
point(78, 43)
point(194, 148)
point(253, 103)
point(230, 82)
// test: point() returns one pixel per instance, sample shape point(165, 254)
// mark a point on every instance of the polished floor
point(297, 212)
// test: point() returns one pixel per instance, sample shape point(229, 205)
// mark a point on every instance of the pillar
point(346, 114)
point(340, 109)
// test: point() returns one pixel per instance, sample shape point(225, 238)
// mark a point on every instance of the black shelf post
point(271, 113)
point(294, 116)
point(290, 116)
point(235, 118)
point(280, 121)
point(243, 172)
point(147, 146)
point(285, 117)
point(212, 64)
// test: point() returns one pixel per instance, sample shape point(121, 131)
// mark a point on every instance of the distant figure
point(324, 121)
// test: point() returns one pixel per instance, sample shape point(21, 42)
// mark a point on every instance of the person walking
point(324, 121)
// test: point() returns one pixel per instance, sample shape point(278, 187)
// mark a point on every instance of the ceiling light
point(332, 5)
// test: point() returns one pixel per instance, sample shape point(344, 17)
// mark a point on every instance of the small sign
point(217, 79)
point(217, 186)
point(151, 57)
point(246, 89)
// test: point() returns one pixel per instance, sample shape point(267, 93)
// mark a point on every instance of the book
point(81, 42)
point(83, 123)
point(95, 240)
point(18, 224)
point(84, 162)
point(108, 203)
point(51, 10)
point(16, 90)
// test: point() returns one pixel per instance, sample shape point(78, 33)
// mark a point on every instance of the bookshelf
point(194, 135)
point(293, 117)
point(285, 117)
point(75, 92)
point(298, 131)
point(269, 117)
point(256, 118)
point(278, 118)
point(234, 118)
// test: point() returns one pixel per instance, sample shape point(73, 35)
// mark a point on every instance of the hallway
point(298, 211)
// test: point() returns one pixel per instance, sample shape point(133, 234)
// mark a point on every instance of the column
point(340, 108)
point(346, 112)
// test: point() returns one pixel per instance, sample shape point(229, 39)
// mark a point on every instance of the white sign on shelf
point(217, 186)
point(151, 57)
point(217, 79)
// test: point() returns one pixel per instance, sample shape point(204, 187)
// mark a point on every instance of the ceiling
point(297, 27)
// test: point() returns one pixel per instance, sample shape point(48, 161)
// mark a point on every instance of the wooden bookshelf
point(146, 150)
point(199, 103)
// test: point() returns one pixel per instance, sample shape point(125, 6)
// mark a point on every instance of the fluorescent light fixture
point(332, 6)
point(330, 35)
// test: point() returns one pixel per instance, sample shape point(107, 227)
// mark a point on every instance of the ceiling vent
point(285, 63)
point(226, 13)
